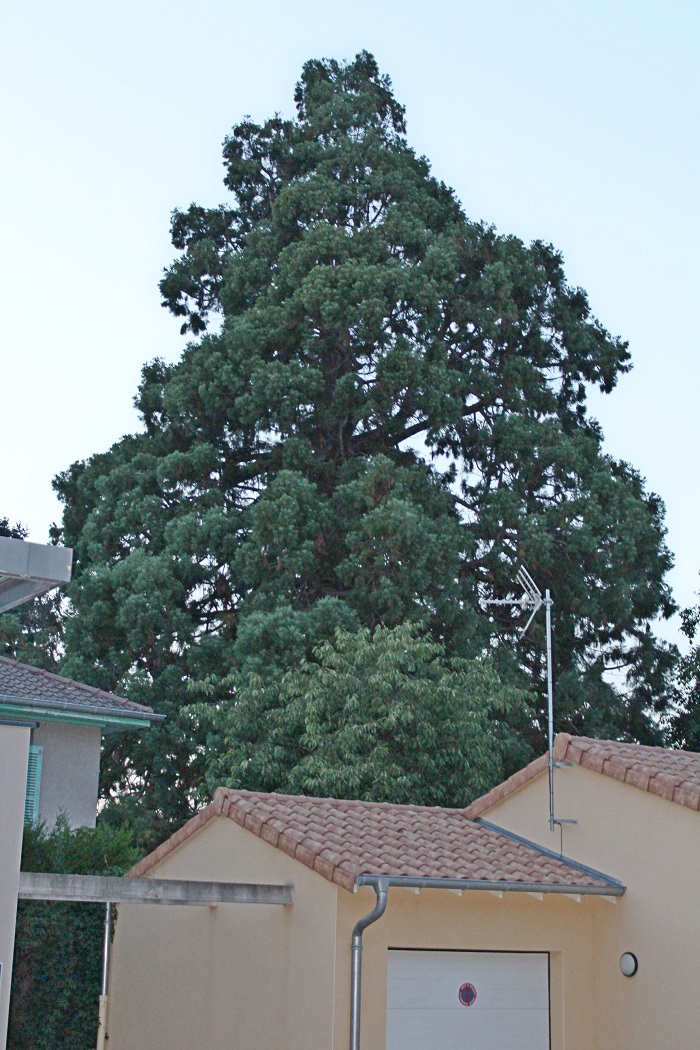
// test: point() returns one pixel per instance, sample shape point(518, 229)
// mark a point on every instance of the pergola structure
point(30, 569)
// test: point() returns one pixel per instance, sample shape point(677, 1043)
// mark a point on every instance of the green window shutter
point(31, 802)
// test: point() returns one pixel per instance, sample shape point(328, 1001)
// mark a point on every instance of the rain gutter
point(381, 883)
point(418, 882)
point(90, 714)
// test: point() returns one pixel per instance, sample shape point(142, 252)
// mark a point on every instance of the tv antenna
point(533, 601)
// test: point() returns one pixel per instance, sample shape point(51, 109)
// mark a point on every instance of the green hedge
point(58, 946)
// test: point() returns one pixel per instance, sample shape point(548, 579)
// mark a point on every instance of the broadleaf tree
point(380, 415)
point(381, 715)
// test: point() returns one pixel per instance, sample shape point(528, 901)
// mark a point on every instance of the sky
point(574, 122)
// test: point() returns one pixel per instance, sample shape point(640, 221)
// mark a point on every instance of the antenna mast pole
point(550, 706)
point(532, 599)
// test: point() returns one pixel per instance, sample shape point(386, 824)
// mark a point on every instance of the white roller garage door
point(462, 1000)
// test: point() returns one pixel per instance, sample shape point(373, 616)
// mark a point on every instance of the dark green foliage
point(57, 962)
point(383, 717)
point(685, 720)
point(387, 419)
point(12, 532)
point(33, 632)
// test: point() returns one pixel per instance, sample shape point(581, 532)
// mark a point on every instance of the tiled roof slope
point(342, 839)
point(668, 773)
point(21, 683)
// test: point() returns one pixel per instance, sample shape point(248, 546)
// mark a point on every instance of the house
point(474, 936)
point(482, 927)
point(636, 812)
point(67, 720)
point(50, 737)
point(26, 571)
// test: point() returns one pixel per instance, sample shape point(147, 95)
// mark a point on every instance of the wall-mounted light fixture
point(629, 964)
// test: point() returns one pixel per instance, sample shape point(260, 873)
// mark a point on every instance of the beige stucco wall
point(475, 921)
point(255, 977)
point(653, 846)
point(243, 976)
point(14, 751)
point(70, 772)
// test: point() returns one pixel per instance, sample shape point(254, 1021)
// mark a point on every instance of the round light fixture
point(629, 964)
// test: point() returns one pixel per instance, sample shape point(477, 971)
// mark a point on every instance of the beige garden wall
point(475, 921)
point(243, 976)
point(653, 846)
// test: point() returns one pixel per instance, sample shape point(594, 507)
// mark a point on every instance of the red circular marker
point(467, 994)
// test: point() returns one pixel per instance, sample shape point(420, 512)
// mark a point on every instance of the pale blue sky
point(574, 122)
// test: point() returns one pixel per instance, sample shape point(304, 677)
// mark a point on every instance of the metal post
point(532, 599)
point(104, 986)
point(550, 707)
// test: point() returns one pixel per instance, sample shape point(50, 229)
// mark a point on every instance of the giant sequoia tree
point(380, 416)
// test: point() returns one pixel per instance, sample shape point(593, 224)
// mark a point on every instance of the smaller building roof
point(667, 772)
point(23, 687)
point(343, 840)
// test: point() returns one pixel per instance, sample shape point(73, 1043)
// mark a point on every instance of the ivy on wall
point(58, 946)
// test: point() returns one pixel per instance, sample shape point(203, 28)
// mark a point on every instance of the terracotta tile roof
point(33, 687)
point(669, 773)
point(342, 840)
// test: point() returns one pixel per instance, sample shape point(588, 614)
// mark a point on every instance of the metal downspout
point(381, 888)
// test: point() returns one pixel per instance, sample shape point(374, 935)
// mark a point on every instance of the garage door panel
point(509, 994)
point(415, 1031)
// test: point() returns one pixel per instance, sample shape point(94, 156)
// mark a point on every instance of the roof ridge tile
point(669, 773)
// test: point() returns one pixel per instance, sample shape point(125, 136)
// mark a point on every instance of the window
point(31, 802)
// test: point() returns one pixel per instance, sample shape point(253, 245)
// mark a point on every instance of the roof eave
point(76, 714)
point(491, 885)
point(544, 851)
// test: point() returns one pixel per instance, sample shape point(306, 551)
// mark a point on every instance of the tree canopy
point(684, 720)
point(380, 415)
point(383, 717)
point(12, 532)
